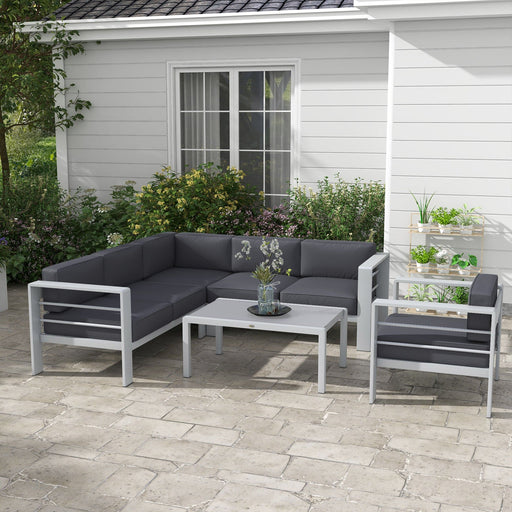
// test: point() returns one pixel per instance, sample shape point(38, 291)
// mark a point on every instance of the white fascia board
point(397, 10)
point(216, 25)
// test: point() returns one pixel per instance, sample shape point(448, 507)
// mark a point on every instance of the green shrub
point(190, 202)
point(339, 211)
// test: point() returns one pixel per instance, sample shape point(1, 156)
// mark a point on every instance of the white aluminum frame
point(380, 309)
point(126, 346)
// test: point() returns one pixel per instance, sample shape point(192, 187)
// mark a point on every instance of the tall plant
point(423, 204)
point(31, 73)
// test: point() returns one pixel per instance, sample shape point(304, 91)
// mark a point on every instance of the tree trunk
point(4, 160)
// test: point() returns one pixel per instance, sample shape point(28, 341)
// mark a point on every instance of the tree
point(31, 73)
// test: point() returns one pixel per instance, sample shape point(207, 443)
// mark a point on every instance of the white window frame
point(233, 67)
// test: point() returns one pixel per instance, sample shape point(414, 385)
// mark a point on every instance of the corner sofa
point(123, 297)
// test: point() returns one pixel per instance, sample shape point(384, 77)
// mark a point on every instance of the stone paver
point(249, 432)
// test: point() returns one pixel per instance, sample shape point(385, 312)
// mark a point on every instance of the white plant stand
point(4, 303)
point(302, 319)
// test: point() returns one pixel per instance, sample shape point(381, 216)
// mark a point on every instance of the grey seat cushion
point(147, 316)
point(187, 276)
point(123, 265)
point(202, 250)
point(289, 246)
point(334, 258)
point(323, 291)
point(157, 253)
point(410, 338)
point(241, 285)
point(483, 292)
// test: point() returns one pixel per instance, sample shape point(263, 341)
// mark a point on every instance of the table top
point(233, 313)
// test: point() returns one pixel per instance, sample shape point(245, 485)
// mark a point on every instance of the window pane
point(251, 90)
point(251, 162)
point(278, 90)
point(192, 130)
point(217, 91)
point(251, 130)
point(217, 130)
point(191, 160)
point(274, 201)
point(218, 158)
point(191, 91)
point(277, 173)
point(277, 130)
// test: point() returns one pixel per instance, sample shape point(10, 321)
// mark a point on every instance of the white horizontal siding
point(343, 81)
point(452, 131)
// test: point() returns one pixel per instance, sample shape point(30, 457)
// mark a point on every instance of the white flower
point(114, 239)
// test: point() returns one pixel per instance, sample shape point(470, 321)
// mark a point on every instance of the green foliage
point(444, 216)
point(420, 292)
point(339, 210)
point(458, 259)
point(423, 204)
point(423, 255)
point(459, 294)
point(194, 201)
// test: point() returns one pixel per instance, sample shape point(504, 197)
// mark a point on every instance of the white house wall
point(452, 130)
point(342, 104)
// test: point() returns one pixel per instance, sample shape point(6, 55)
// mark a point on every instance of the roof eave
point(347, 19)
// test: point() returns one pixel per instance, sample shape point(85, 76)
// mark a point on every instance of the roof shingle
point(95, 9)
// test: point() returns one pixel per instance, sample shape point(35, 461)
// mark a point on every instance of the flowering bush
point(190, 202)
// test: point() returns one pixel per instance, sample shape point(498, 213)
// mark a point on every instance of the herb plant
point(444, 216)
point(423, 204)
point(461, 262)
point(423, 255)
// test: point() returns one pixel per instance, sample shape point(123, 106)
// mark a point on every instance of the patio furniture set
point(123, 297)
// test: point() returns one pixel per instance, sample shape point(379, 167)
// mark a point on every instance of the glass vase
point(265, 298)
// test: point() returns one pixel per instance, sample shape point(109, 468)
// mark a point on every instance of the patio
point(247, 432)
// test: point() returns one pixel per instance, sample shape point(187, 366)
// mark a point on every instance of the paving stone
point(317, 471)
point(8, 504)
point(390, 459)
point(393, 503)
point(483, 496)
point(341, 505)
point(498, 474)
point(333, 452)
point(490, 439)
point(152, 427)
point(14, 460)
point(127, 482)
point(231, 407)
point(77, 435)
point(246, 461)
point(312, 432)
point(149, 506)
point(212, 435)
point(73, 451)
point(409, 414)
point(382, 481)
point(494, 456)
point(261, 481)
point(236, 497)
point(182, 490)
point(203, 417)
point(27, 489)
point(442, 467)
point(95, 403)
point(264, 442)
point(430, 448)
point(80, 499)
point(280, 399)
point(188, 452)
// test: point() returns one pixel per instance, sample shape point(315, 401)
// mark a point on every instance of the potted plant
point(4, 256)
point(423, 257)
point(459, 295)
point(464, 263)
point(466, 219)
point(443, 261)
point(442, 295)
point(423, 204)
point(421, 293)
point(444, 218)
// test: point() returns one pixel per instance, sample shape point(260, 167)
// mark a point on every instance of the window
point(240, 118)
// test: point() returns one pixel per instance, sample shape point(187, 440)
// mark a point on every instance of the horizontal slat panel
point(492, 132)
point(311, 175)
point(139, 85)
point(333, 80)
point(359, 129)
point(321, 97)
point(344, 113)
point(343, 144)
point(345, 66)
point(134, 156)
point(122, 99)
point(115, 171)
point(89, 127)
point(116, 70)
point(341, 160)
point(456, 113)
point(454, 76)
point(441, 95)
point(128, 113)
point(128, 142)
point(454, 149)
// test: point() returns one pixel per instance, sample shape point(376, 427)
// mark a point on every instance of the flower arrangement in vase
point(423, 257)
point(265, 272)
point(423, 204)
point(464, 263)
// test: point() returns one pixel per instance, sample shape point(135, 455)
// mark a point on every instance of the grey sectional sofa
point(123, 297)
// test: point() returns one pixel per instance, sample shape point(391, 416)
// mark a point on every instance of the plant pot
point(445, 228)
point(423, 228)
point(443, 268)
point(464, 271)
point(466, 230)
point(4, 305)
point(422, 267)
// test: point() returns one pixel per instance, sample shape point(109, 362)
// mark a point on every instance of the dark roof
point(92, 9)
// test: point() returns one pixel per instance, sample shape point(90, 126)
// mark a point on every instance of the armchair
point(459, 346)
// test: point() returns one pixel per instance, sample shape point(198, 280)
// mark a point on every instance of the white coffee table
point(302, 319)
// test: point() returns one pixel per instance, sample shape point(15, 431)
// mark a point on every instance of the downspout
point(389, 136)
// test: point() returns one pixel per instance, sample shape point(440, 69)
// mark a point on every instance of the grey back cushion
point(483, 292)
point(157, 253)
point(289, 246)
point(123, 265)
point(334, 258)
point(202, 250)
point(87, 269)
